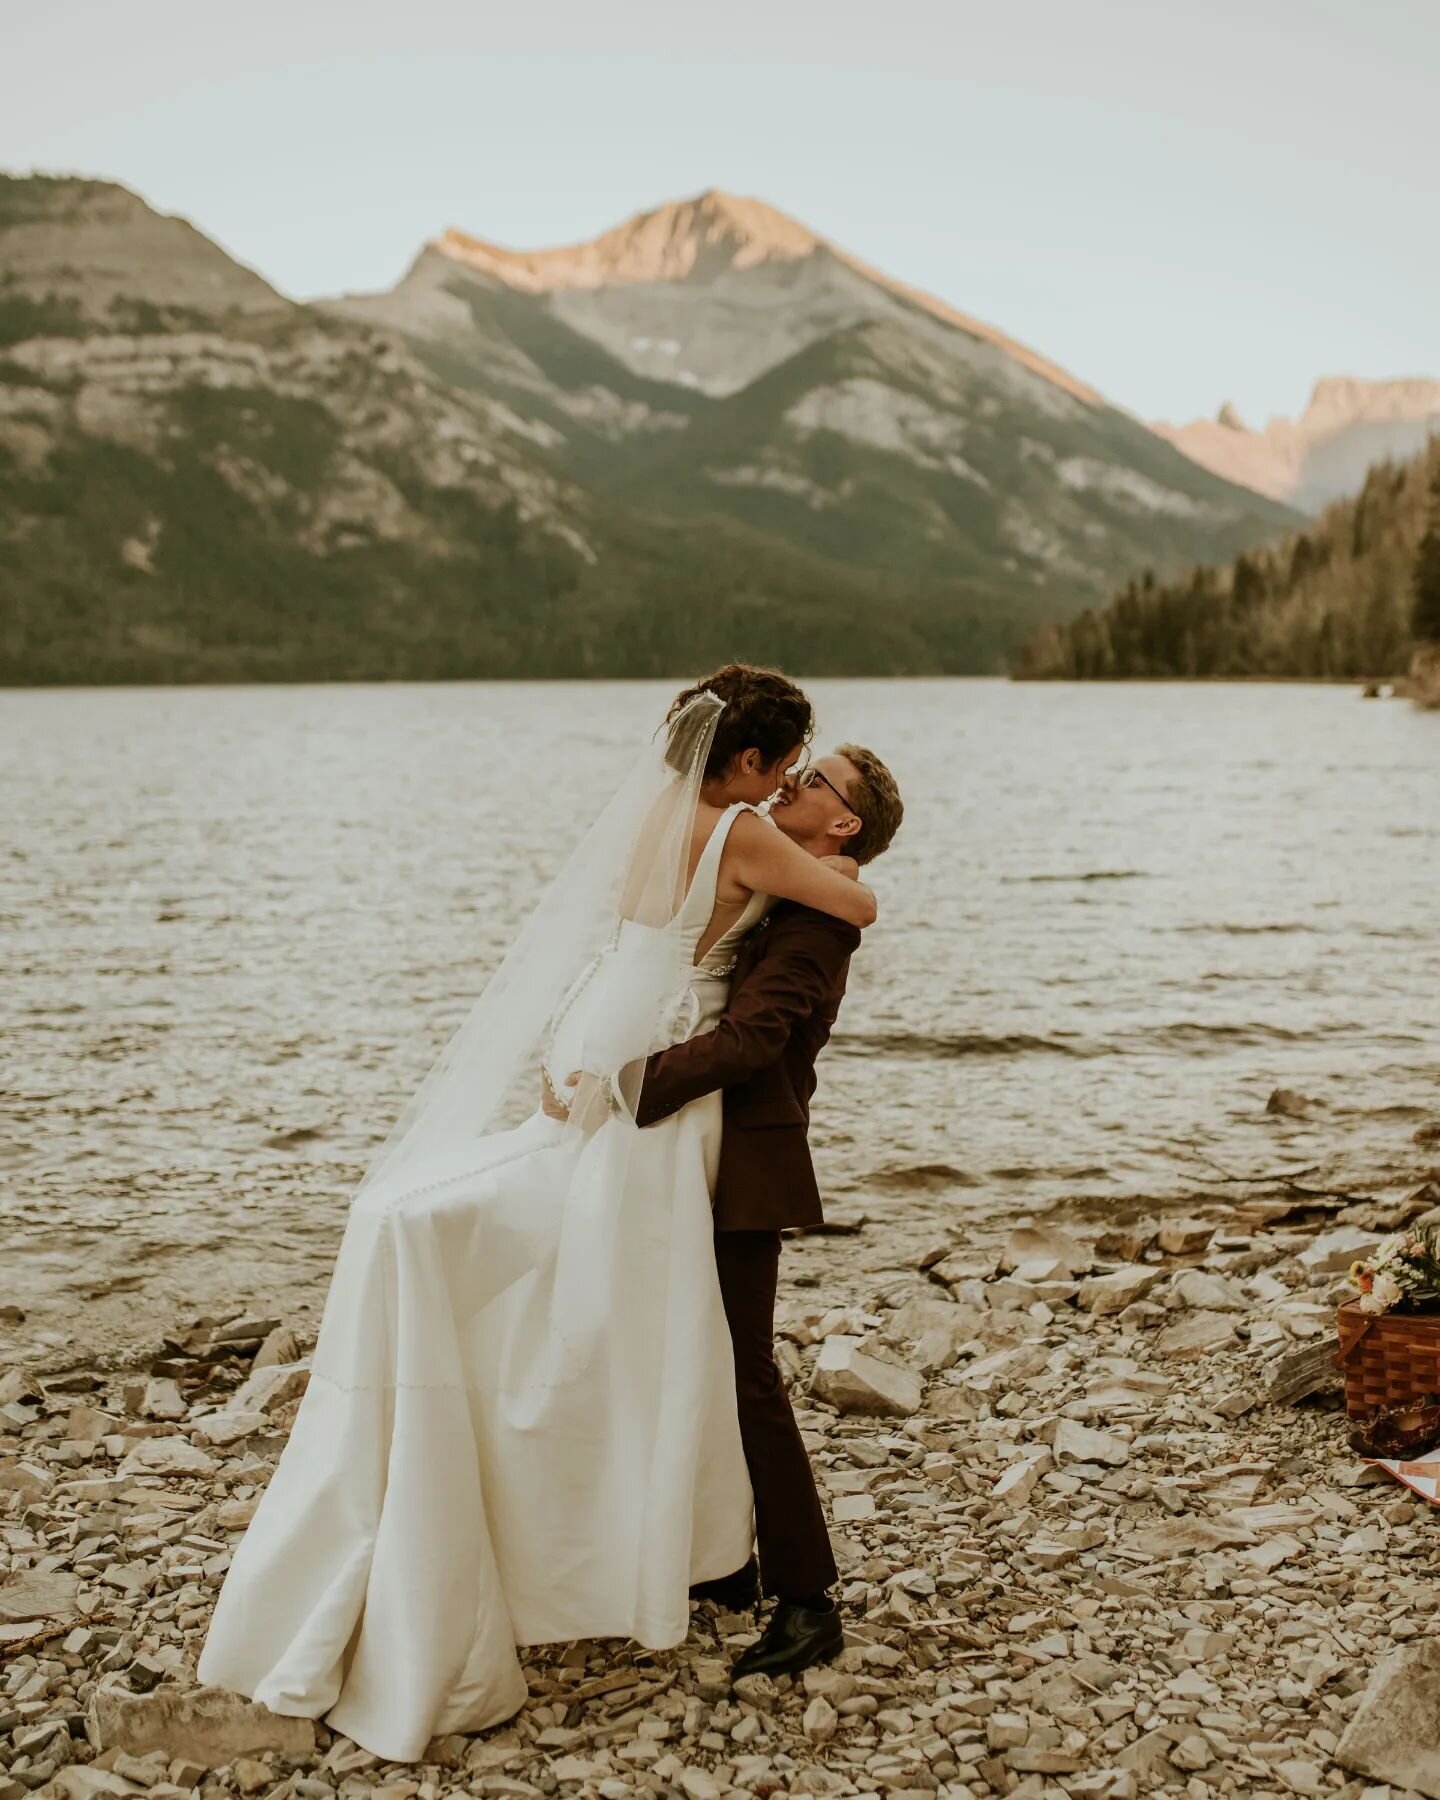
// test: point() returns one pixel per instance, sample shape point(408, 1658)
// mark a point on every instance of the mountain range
point(1323, 455)
point(707, 432)
point(716, 359)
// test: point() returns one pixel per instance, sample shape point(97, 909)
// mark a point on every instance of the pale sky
point(1182, 201)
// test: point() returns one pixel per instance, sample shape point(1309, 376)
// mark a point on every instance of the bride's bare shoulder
point(707, 817)
point(751, 828)
point(728, 890)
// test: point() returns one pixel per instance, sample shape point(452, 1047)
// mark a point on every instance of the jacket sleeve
point(802, 965)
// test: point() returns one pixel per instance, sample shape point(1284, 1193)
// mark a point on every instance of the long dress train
point(520, 1426)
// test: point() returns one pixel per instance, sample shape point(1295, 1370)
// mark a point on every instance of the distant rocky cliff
point(1348, 426)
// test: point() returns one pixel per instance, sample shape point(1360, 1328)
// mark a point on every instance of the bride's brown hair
point(764, 711)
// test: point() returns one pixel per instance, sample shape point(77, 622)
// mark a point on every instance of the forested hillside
point(1336, 599)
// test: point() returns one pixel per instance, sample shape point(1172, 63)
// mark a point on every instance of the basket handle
point(1342, 1357)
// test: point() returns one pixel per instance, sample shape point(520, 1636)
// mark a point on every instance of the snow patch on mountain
point(957, 465)
point(536, 430)
point(1028, 535)
point(1088, 474)
point(886, 418)
point(783, 481)
point(619, 420)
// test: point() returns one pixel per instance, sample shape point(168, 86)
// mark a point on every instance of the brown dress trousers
point(787, 987)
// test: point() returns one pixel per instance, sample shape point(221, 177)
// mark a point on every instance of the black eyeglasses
point(810, 774)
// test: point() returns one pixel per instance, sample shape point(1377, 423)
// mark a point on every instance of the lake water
point(239, 923)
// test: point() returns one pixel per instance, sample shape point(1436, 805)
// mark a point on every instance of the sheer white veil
point(603, 926)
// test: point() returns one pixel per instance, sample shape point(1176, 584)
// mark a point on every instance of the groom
point(787, 987)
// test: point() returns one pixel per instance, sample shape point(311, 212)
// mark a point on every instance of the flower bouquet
point(1402, 1272)
point(1390, 1333)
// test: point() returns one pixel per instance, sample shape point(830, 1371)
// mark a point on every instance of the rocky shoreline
point(1099, 1531)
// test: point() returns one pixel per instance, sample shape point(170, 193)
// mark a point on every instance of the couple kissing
point(543, 1402)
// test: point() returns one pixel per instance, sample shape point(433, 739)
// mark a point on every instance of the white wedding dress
point(520, 1426)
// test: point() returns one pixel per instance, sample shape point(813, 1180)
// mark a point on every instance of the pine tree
point(1425, 617)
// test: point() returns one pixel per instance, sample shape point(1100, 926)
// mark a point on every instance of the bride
point(520, 1424)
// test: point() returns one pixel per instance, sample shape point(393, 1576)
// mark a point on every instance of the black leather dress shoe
point(735, 1592)
point(793, 1639)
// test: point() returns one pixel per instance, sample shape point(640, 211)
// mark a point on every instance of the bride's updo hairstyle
point(764, 711)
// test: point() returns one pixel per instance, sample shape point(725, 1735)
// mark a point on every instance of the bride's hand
point(551, 1104)
point(843, 865)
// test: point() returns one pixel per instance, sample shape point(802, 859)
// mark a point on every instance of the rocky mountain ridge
point(95, 253)
point(705, 240)
point(1347, 427)
point(713, 359)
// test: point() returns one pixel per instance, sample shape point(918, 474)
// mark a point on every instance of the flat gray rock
point(1394, 1733)
point(1113, 1292)
point(167, 1456)
point(208, 1724)
point(49, 1597)
point(857, 1383)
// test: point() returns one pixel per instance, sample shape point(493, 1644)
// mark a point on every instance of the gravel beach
point(1099, 1530)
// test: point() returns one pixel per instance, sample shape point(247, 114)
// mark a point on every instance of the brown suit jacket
point(787, 987)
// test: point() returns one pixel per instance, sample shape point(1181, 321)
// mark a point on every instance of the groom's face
point(811, 814)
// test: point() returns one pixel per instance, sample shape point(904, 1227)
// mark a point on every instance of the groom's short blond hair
point(875, 800)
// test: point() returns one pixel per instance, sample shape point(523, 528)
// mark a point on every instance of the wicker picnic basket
point(1388, 1359)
